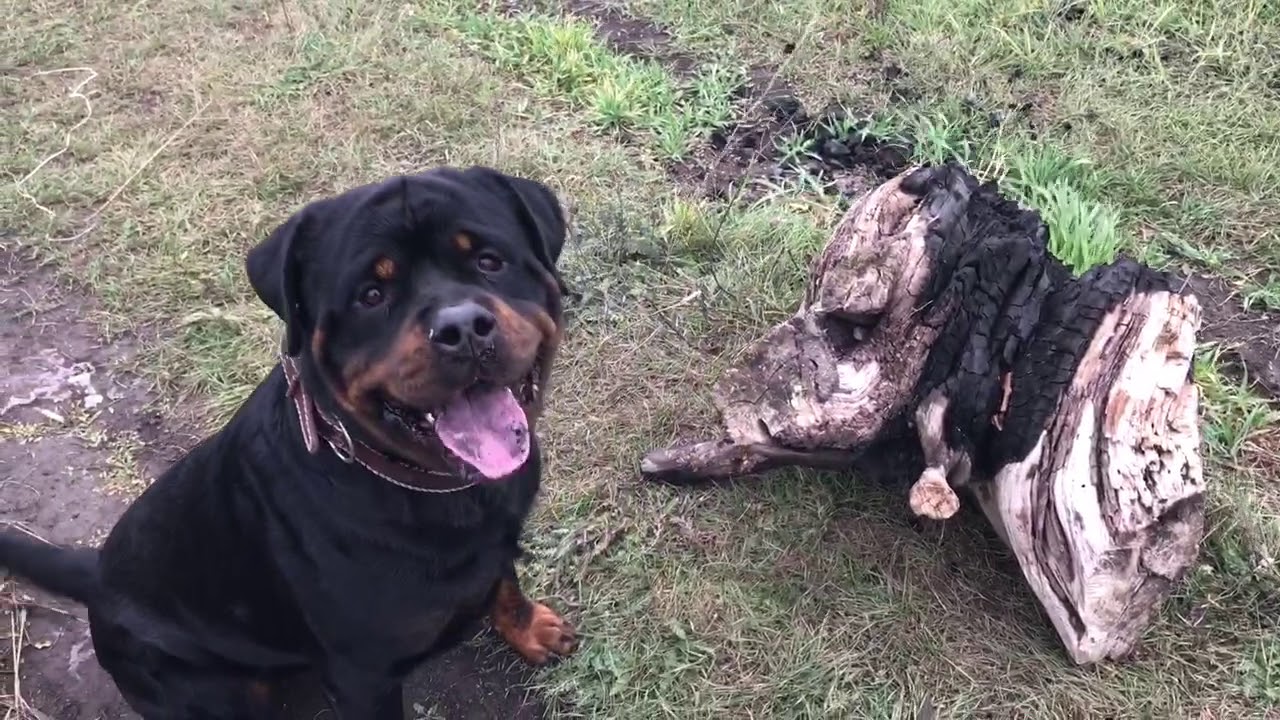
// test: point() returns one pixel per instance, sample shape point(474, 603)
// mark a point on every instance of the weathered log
point(1064, 404)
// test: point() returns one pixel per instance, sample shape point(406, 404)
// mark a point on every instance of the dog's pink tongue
point(487, 429)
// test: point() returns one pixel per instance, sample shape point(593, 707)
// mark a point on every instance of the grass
point(1174, 102)
point(619, 94)
point(800, 595)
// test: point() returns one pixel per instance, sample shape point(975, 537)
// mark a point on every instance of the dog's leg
point(360, 695)
point(531, 629)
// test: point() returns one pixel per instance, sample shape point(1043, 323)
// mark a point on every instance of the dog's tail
point(71, 572)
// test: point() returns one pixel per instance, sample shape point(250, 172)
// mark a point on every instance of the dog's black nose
point(463, 328)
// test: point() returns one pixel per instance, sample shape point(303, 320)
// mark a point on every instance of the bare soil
point(629, 35)
point(744, 161)
point(75, 432)
point(1251, 338)
point(56, 366)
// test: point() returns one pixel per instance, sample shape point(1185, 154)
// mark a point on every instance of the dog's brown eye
point(372, 296)
point(488, 262)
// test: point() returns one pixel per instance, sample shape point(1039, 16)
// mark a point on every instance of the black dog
point(365, 504)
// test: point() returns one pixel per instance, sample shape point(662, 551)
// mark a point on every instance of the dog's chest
point(404, 611)
point(401, 591)
point(394, 574)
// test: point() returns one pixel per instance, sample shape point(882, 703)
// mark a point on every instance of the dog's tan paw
point(546, 635)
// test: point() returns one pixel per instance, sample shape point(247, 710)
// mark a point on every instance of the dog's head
point(425, 311)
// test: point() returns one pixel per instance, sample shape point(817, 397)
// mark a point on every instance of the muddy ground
point(77, 438)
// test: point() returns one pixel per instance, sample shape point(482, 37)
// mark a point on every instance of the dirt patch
point(774, 139)
point(628, 35)
point(478, 680)
point(66, 427)
point(778, 140)
point(75, 437)
point(1250, 338)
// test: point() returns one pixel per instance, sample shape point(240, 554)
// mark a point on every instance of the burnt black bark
point(1004, 305)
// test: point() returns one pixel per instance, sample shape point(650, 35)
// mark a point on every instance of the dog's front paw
point(544, 636)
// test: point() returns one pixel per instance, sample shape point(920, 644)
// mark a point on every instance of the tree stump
point(1065, 405)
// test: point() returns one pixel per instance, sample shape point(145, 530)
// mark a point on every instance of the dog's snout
point(464, 328)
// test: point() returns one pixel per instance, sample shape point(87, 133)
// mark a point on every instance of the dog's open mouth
point(485, 425)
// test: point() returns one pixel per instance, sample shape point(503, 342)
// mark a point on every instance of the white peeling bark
point(1106, 513)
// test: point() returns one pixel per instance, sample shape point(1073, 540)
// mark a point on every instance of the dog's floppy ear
point(274, 274)
point(543, 216)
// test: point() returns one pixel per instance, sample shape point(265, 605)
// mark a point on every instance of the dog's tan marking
point(362, 377)
point(463, 242)
point(385, 269)
point(260, 694)
point(531, 629)
point(524, 335)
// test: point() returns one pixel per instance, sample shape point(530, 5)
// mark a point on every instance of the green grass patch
point(1173, 104)
point(1235, 416)
point(562, 58)
point(1241, 577)
point(758, 254)
point(319, 60)
point(1260, 672)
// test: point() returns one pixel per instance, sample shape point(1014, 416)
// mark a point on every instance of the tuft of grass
point(1265, 296)
point(1082, 233)
point(561, 58)
point(940, 139)
point(674, 137)
point(1234, 416)
point(1260, 672)
point(793, 148)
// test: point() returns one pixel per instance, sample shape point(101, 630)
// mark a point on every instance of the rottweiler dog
point(365, 505)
